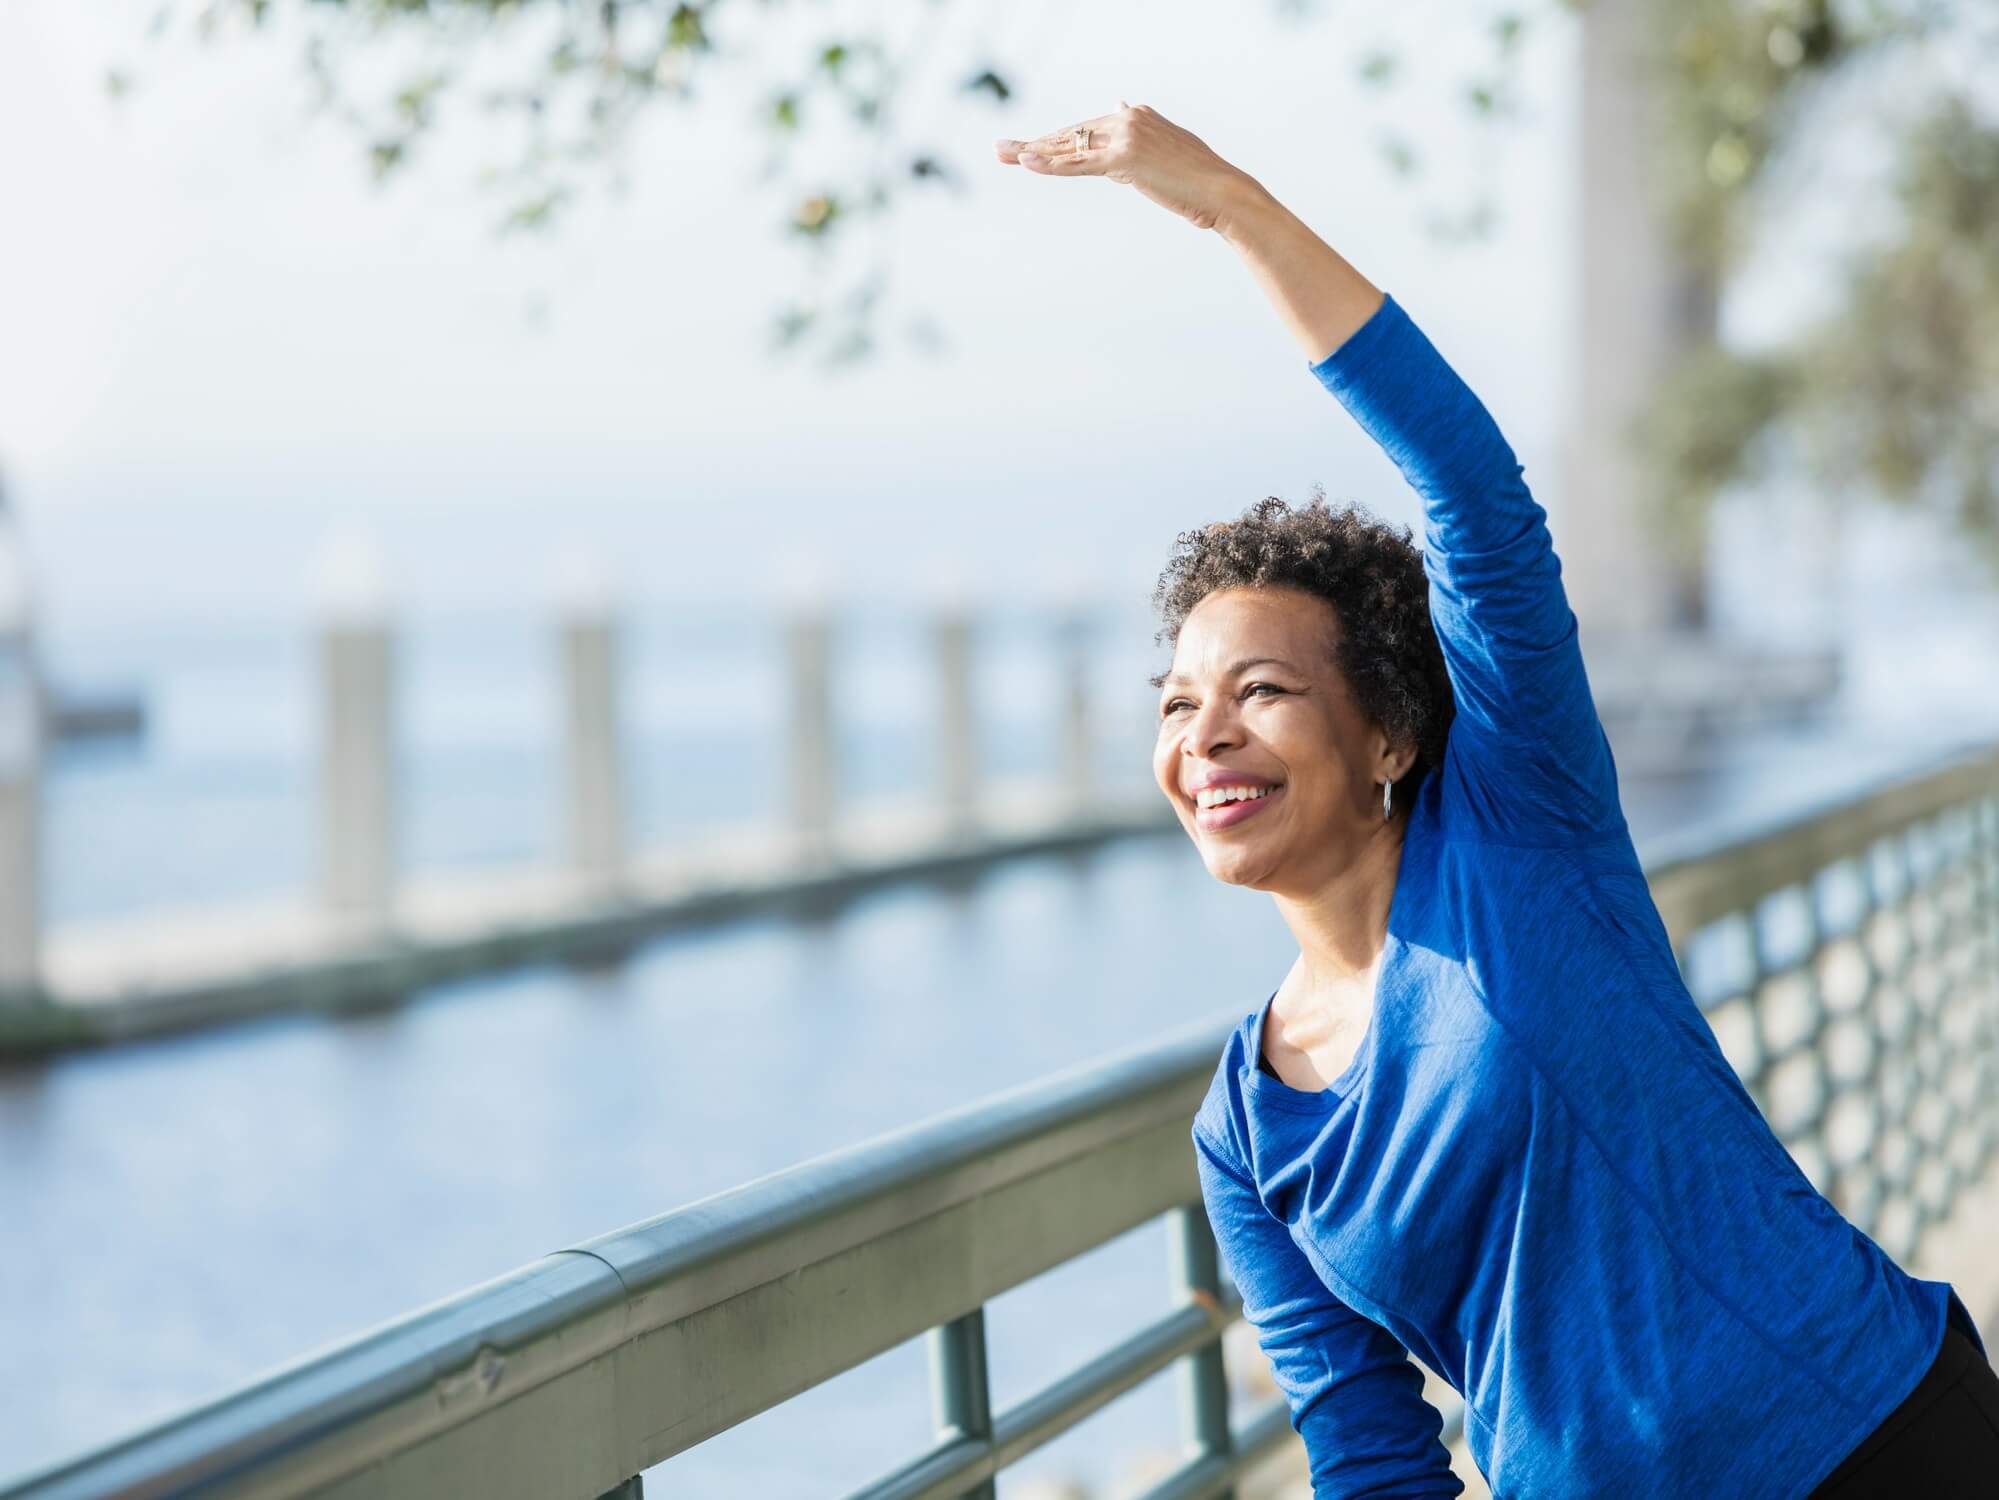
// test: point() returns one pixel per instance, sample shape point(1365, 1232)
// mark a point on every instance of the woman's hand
point(1321, 298)
point(1140, 146)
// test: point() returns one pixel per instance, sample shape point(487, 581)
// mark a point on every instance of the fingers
point(1063, 142)
point(1085, 164)
point(1057, 145)
point(1056, 151)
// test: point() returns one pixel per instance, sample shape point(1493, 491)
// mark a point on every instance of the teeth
point(1216, 796)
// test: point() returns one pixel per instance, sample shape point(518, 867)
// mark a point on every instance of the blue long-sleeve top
point(1539, 1174)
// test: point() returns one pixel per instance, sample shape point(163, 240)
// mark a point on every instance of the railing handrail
point(1707, 872)
point(331, 1414)
point(570, 1374)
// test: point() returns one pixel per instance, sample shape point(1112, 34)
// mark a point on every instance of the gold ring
point(1082, 138)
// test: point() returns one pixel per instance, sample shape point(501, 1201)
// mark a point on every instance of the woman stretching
point(1481, 1120)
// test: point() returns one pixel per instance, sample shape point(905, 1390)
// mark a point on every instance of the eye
point(1172, 704)
point(1269, 686)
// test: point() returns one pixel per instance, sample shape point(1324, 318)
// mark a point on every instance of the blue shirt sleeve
point(1355, 1397)
point(1526, 749)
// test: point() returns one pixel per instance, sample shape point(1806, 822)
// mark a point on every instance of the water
point(197, 1209)
point(187, 1213)
point(219, 804)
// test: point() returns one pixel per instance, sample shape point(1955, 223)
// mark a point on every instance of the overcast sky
point(220, 339)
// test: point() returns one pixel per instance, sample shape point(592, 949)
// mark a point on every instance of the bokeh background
point(720, 303)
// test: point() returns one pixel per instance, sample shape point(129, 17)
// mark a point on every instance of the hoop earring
point(1387, 795)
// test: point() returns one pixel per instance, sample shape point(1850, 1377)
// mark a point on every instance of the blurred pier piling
point(110, 980)
point(357, 759)
point(373, 932)
point(595, 769)
point(22, 735)
point(814, 767)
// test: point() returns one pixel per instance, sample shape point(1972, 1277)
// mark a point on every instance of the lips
point(1228, 814)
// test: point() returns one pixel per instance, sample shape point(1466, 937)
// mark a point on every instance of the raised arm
point(1355, 1398)
point(1526, 751)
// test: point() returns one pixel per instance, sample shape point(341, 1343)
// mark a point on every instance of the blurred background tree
point(1889, 390)
point(563, 82)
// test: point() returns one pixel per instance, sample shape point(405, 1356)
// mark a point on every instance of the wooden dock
point(166, 971)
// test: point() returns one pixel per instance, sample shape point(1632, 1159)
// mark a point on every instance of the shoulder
point(1218, 1122)
point(1457, 845)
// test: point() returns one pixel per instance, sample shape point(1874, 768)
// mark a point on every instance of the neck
point(1340, 917)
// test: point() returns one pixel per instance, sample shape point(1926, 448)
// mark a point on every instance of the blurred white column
point(22, 729)
point(357, 745)
point(1640, 306)
point(957, 744)
point(595, 815)
point(808, 646)
point(1077, 631)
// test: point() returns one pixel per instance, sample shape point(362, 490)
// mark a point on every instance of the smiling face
point(1255, 718)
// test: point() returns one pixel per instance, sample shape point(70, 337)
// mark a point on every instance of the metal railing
point(573, 1375)
point(1848, 962)
point(577, 1372)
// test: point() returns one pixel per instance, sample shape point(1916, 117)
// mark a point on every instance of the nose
point(1214, 728)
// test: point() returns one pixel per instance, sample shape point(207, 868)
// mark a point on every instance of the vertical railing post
point(811, 757)
point(957, 744)
point(23, 730)
point(594, 770)
point(1194, 1269)
point(1078, 740)
point(1985, 965)
point(357, 735)
point(960, 1393)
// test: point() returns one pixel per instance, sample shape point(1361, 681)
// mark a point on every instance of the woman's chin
point(1235, 866)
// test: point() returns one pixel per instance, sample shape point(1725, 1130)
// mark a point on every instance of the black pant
point(1941, 1443)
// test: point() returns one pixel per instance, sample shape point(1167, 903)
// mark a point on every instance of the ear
point(1391, 760)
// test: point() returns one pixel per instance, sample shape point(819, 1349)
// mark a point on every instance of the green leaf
point(1729, 160)
point(992, 83)
point(1378, 68)
point(537, 212)
point(791, 325)
point(684, 29)
point(854, 345)
point(1399, 154)
point(413, 100)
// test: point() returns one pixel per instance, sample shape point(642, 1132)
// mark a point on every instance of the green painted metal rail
point(573, 1374)
point(569, 1377)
